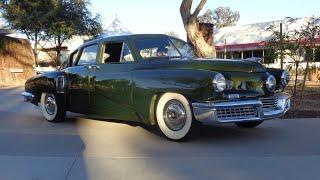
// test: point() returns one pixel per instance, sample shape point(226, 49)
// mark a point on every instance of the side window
point(150, 48)
point(126, 54)
point(116, 53)
point(88, 55)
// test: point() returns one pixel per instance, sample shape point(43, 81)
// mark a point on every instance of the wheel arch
point(154, 101)
point(52, 82)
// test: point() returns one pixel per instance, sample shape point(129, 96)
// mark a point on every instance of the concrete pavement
point(82, 148)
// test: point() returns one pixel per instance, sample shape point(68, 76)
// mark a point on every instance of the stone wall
point(16, 61)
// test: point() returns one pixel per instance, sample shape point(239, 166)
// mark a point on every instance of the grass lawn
point(309, 107)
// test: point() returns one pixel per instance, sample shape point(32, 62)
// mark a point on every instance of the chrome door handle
point(95, 67)
point(92, 67)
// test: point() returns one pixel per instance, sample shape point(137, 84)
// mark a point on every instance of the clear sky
point(160, 16)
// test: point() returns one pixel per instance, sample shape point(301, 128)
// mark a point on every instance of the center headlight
point(285, 78)
point(219, 82)
point(271, 83)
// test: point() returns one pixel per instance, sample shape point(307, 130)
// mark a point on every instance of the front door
point(79, 79)
point(112, 83)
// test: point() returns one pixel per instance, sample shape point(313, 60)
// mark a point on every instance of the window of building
point(269, 56)
point(236, 55)
point(247, 54)
point(229, 55)
point(309, 54)
point(220, 55)
point(317, 55)
point(258, 53)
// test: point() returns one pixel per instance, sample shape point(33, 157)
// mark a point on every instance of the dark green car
point(152, 79)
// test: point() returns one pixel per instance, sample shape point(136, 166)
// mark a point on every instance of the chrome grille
point(235, 113)
point(269, 102)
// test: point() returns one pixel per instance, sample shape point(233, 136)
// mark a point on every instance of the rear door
point(112, 82)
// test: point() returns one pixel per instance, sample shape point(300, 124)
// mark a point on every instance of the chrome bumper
point(28, 97)
point(253, 109)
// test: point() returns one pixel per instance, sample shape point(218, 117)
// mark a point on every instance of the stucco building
point(247, 41)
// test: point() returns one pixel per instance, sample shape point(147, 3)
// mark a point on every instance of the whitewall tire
point(174, 116)
point(52, 107)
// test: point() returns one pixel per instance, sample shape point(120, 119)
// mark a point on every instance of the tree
point(220, 17)
point(67, 19)
point(287, 43)
point(28, 17)
point(172, 33)
point(297, 45)
point(309, 32)
point(194, 34)
point(3, 2)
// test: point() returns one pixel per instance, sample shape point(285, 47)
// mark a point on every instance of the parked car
point(147, 79)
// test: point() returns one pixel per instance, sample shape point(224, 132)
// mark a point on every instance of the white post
point(225, 48)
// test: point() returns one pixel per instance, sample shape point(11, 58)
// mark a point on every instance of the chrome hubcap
point(50, 104)
point(174, 115)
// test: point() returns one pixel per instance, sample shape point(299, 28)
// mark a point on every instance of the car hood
point(219, 65)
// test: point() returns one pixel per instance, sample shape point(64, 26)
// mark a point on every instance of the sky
point(160, 16)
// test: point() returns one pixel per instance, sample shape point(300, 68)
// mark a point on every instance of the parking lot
point(83, 148)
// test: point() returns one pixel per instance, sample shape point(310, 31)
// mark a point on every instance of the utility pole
point(225, 48)
point(281, 46)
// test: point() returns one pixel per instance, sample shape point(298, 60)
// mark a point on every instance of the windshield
point(183, 47)
point(158, 47)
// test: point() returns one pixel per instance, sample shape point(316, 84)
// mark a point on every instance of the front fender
point(277, 74)
point(46, 82)
point(148, 85)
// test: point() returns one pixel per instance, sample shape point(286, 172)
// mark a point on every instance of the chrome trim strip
point(28, 97)
point(207, 111)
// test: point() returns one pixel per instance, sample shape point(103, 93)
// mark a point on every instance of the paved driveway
point(81, 148)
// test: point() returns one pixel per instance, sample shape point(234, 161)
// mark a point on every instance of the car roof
point(121, 38)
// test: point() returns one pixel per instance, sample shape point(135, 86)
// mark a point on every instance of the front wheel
point(174, 116)
point(250, 124)
point(52, 107)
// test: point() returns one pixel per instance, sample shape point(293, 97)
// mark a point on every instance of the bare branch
point(185, 11)
point(199, 8)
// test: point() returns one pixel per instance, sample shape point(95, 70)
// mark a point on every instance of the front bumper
point(251, 109)
point(28, 97)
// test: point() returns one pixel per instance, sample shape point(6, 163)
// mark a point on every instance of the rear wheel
point(250, 124)
point(52, 107)
point(174, 116)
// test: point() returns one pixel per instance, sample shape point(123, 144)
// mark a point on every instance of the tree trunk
point(35, 49)
point(304, 81)
point(58, 56)
point(296, 80)
point(58, 50)
point(201, 48)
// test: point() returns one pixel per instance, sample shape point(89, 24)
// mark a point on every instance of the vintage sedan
point(153, 80)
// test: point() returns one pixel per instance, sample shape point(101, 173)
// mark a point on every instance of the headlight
point(219, 82)
point(271, 83)
point(285, 78)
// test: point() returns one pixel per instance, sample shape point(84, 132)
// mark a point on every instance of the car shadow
point(199, 133)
